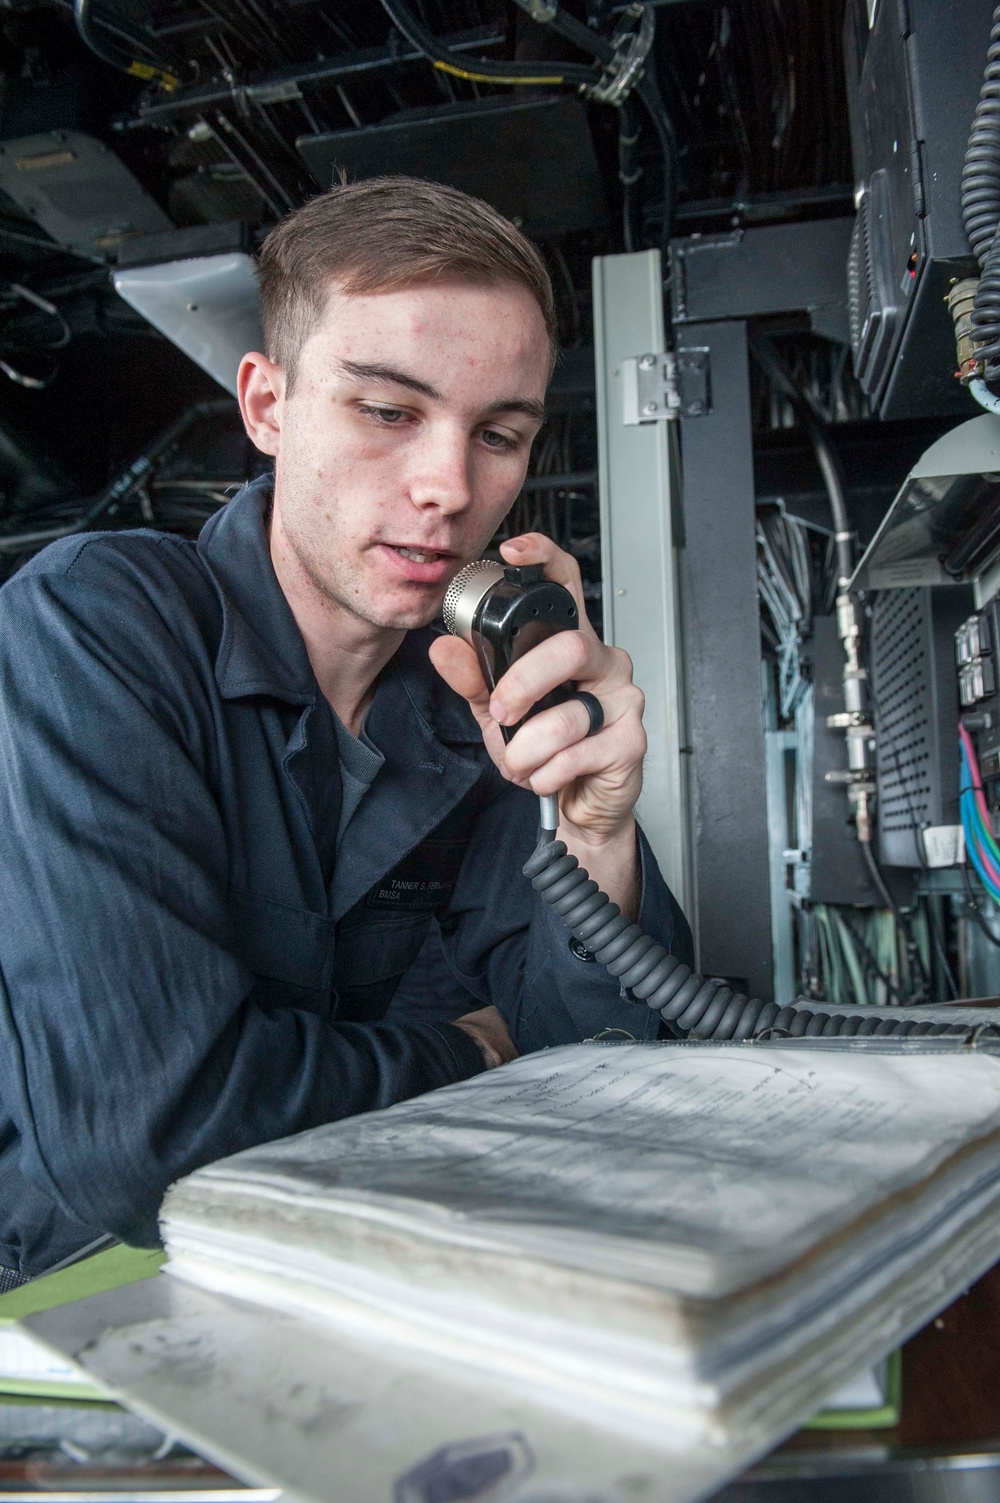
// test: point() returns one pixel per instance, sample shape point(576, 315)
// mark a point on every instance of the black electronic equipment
point(914, 71)
point(915, 695)
point(511, 151)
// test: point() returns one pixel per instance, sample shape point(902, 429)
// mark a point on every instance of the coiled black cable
point(692, 1005)
point(981, 205)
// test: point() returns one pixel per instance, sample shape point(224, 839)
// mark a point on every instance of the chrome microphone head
point(465, 593)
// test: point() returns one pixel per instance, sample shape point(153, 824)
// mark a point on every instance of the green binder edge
point(883, 1418)
point(111, 1269)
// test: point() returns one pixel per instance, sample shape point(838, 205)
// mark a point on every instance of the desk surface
point(947, 1446)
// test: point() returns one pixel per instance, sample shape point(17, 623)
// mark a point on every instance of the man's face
point(404, 441)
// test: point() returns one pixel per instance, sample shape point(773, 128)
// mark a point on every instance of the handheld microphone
point(503, 610)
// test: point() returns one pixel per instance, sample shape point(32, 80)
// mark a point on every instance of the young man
point(223, 761)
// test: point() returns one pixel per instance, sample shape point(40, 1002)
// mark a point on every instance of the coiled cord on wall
point(692, 1005)
point(981, 206)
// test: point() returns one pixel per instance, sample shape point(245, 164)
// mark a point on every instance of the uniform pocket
point(291, 945)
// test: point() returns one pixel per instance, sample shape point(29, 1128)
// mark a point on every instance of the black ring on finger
point(593, 707)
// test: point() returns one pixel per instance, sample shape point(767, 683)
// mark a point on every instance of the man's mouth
point(421, 566)
point(419, 555)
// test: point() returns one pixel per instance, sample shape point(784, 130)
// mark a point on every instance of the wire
point(985, 869)
point(980, 843)
point(151, 72)
point(980, 201)
point(481, 69)
point(127, 483)
point(774, 367)
point(648, 91)
point(912, 946)
point(976, 789)
point(44, 306)
point(983, 395)
point(972, 907)
point(21, 378)
point(867, 955)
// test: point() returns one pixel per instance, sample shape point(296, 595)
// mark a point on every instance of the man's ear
point(260, 387)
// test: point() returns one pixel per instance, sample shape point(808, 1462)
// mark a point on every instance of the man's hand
point(489, 1030)
point(597, 778)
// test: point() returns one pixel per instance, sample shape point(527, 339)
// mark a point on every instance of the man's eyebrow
point(390, 376)
point(525, 405)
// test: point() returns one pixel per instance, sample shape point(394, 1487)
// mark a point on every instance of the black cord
point(972, 907)
point(878, 882)
point(482, 69)
point(629, 173)
point(774, 367)
point(589, 41)
point(981, 205)
point(158, 70)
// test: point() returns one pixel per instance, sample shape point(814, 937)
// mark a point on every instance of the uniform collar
point(262, 651)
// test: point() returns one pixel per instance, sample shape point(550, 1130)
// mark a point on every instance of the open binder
point(599, 1267)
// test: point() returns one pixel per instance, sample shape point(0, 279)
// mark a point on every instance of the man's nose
point(441, 475)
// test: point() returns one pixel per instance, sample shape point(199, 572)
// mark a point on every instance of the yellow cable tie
point(148, 72)
point(486, 77)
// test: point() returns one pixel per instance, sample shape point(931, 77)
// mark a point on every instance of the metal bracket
point(662, 388)
point(625, 69)
point(542, 11)
point(694, 381)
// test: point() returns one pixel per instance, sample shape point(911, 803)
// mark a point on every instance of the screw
point(620, 592)
point(649, 408)
point(647, 362)
point(696, 407)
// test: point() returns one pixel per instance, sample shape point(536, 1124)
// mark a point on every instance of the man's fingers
point(536, 548)
point(458, 665)
point(490, 1032)
point(615, 753)
point(544, 745)
point(569, 656)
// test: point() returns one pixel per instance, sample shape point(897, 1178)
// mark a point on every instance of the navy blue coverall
point(189, 967)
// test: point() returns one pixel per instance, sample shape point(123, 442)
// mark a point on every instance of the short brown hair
point(379, 235)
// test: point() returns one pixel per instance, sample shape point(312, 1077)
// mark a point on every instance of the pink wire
point(977, 789)
point(977, 780)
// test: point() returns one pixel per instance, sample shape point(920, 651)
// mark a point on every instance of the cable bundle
point(984, 852)
point(981, 205)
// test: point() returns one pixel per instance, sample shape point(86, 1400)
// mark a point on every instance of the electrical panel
point(914, 71)
point(915, 694)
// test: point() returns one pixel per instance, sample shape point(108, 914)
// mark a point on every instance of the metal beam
point(785, 268)
point(638, 496)
point(291, 82)
point(732, 912)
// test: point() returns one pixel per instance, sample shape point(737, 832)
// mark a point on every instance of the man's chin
point(410, 617)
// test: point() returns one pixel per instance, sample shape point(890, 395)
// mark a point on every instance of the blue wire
point(973, 849)
point(970, 816)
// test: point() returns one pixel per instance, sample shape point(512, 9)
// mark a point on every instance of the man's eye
point(494, 440)
point(390, 415)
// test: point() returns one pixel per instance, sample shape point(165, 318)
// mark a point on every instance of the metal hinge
point(659, 388)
